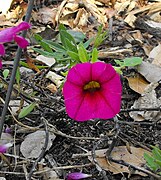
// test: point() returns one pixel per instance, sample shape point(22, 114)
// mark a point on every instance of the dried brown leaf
point(45, 15)
point(52, 88)
point(121, 6)
point(30, 63)
point(81, 18)
point(151, 72)
point(137, 83)
point(121, 153)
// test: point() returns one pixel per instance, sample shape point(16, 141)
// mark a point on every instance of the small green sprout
point(127, 62)
point(153, 160)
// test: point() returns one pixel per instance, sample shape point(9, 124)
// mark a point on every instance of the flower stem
point(15, 66)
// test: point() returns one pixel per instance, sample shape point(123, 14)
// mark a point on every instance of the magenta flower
point(10, 34)
point(77, 176)
point(92, 90)
point(4, 148)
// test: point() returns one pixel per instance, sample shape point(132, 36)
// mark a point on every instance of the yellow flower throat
point(92, 86)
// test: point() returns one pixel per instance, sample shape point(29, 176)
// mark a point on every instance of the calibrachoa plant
point(10, 34)
point(92, 90)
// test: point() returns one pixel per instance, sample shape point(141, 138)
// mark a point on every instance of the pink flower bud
point(77, 176)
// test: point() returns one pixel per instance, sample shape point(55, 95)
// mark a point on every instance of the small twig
point(48, 170)
point(108, 152)
point(135, 142)
point(43, 149)
point(141, 109)
point(93, 154)
point(25, 171)
point(15, 66)
point(24, 160)
point(114, 141)
point(55, 131)
point(14, 148)
point(135, 167)
point(153, 123)
point(63, 168)
point(13, 173)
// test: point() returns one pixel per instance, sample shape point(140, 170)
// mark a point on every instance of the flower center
point(92, 86)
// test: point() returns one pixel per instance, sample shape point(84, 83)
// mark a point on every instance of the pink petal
point(88, 107)
point(22, 42)
point(102, 72)
point(73, 98)
point(82, 71)
point(71, 77)
point(22, 26)
point(77, 176)
point(2, 49)
point(94, 106)
point(71, 90)
point(3, 148)
point(8, 34)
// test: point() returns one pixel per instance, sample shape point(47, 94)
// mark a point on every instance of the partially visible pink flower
point(77, 176)
point(7, 130)
point(4, 148)
point(92, 90)
point(10, 34)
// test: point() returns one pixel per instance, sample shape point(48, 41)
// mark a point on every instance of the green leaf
point(94, 55)
point(70, 46)
point(119, 62)
point(117, 69)
point(158, 162)
point(87, 43)
point(100, 37)
point(26, 110)
point(6, 73)
point(37, 37)
point(133, 61)
point(45, 46)
point(62, 27)
point(55, 46)
point(64, 36)
point(18, 76)
point(82, 52)
point(44, 53)
point(78, 36)
point(73, 55)
point(64, 73)
point(156, 153)
point(151, 162)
